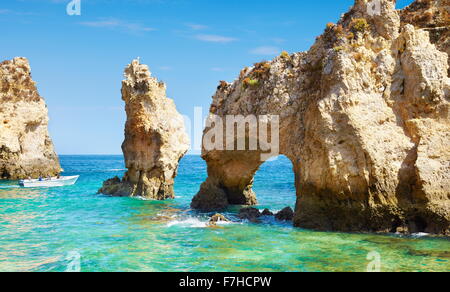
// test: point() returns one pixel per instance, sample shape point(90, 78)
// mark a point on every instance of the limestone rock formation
point(434, 17)
point(26, 149)
point(364, 119)
point(155, 138)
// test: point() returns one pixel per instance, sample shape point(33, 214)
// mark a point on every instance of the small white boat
point(49, 182)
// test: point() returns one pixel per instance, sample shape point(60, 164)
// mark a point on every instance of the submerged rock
point(26, 149)
point(155, 138)
point(213, 198)
point(266, 212)
point(287, 214)
point(217, 219)
point(364, 119)
point(251, 214)
point(112, 185)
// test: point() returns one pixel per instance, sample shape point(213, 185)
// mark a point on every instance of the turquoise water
point(41, 229)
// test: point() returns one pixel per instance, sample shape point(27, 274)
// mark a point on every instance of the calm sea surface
point(46, 229)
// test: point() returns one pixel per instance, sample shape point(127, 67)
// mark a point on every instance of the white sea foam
point(420, 234)
point(189, 222)
point(143, 198)
point(166, 215)
point(192, 222)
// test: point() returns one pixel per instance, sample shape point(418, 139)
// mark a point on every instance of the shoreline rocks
point(253, 215)
point(26, 149)
point(364, 119)
point(250, 214)
point(267, 212)
point(155, 138)
point(287, 214)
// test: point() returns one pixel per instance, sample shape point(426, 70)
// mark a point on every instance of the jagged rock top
point(16, 82)
point(138, 79)
point(427, 13)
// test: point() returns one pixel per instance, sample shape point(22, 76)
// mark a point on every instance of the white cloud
point(217, 69)
point(117, 24)
point(194, 26)
point(214, 38)
point(266, 51)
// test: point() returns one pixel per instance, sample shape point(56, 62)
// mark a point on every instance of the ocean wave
point(193, 222)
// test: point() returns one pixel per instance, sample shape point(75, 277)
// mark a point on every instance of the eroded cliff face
point(26, 149)
point(155, 138)
point(434, 17)
point(364, 118)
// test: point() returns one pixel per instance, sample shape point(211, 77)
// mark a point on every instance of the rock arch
point(364, 118)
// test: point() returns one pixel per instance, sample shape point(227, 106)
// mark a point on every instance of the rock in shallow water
point(364, 118)
point(26, 149)
point(217, 219)
point(287, 214)
point(267, 212)
point(251, 214)
point(155, 138)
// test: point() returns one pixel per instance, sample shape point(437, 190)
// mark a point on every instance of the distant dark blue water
point(45, 229)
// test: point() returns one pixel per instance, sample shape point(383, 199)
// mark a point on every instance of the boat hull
point(49, 183)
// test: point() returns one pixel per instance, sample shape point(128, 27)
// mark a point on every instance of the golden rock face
point(155, 138)
point(364, 118)
point(26, 149)
point(432, 16)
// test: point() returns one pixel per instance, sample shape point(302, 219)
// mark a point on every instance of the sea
point(74, 228)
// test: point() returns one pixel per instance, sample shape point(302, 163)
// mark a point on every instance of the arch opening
point(274, 184)
point(242, 178)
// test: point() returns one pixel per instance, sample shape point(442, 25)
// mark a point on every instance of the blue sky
point(78, 61)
